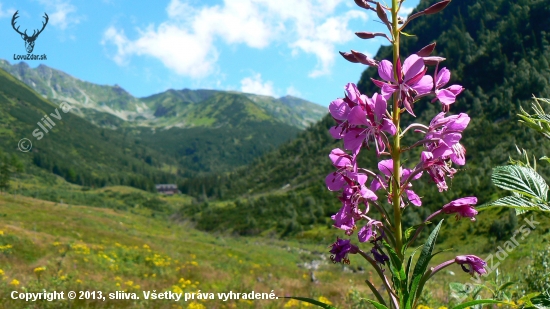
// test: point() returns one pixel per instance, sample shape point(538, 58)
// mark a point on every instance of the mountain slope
point(74, 149)
point(179, 108)
point(164, 110)
point(499, 62)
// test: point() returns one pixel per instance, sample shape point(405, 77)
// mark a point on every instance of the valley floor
point(53, 246)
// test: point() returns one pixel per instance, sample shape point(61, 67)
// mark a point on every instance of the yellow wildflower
point(14, 282)
point(195, 305)
point(38, 270)
point(328, 302)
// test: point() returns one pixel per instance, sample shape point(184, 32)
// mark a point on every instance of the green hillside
point(74, 149)
point(499, 62)
point(186, 108)
point(113, 107)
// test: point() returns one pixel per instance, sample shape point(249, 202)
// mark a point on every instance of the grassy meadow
point(122, 243)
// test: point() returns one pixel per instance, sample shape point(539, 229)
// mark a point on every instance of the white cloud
point(7, 12)
point(405, 11)
point(193, 34)
point(255, 85)
point(62, 15)
point(293, 92)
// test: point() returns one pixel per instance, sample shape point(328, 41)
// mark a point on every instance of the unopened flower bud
point(382, 14)
point(436, 8)
point(349, 57)
point(433, 60)
point(363, 4)
point(362, 58)
point(426, 50)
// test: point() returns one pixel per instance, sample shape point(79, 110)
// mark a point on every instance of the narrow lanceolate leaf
point(410, 232)
point(396, 262)
point(377, 305)
point(522, 180)
point(375, 292)
point(422, 265)
point(479, 302)
point(314, 302)
point(520, 203)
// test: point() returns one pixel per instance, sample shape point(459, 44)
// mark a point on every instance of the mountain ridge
point(166, 108)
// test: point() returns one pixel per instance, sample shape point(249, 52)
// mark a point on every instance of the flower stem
point(396, 150)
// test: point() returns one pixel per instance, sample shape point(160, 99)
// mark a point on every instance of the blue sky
point(260, 46)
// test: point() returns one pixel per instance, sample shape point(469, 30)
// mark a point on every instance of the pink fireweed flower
point(445, 96)
point(346, 173)
point(350, 212)
point(437, 169)
point(473, 263)
point(370, 123)
point(411, 80)
point(368, 231)
point(448, 131)
point(462, 207)
point(340, 250)
point(340, 108)
point(386, 167)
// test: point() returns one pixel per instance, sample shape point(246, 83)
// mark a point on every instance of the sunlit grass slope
point(52, 246)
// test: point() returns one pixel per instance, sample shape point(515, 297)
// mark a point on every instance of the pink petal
point(442, 78)
point(426, 156)
point(456, 89)
point(354, 139)
point(460, 123)
point(388, 90)
point(360, 178)
point(375, 185)
point(336, 132)
point(368, 194)
point(386, 167)
point(413, 197)
point(339, 109)
point(446, 97)
point(458, 160)
point(412, 66)
point(380, 106)
point(357, 116)
point(365, 233)
point(385, 70)
point(425, 85)
point(339, 158)
point(352, 92)
point(388, 126)
point(335, 182)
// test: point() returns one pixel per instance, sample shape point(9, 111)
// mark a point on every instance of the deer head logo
point(29, 40)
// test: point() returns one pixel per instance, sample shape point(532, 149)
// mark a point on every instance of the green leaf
point(407, 34)
point(377, 305)
point(518, 202)
point(409, 234)
point(422, 265)
point(522, 180)
point(313, 301)
point(478, 302)
point(375, 292)
point(505, 285)
point(396, 262)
